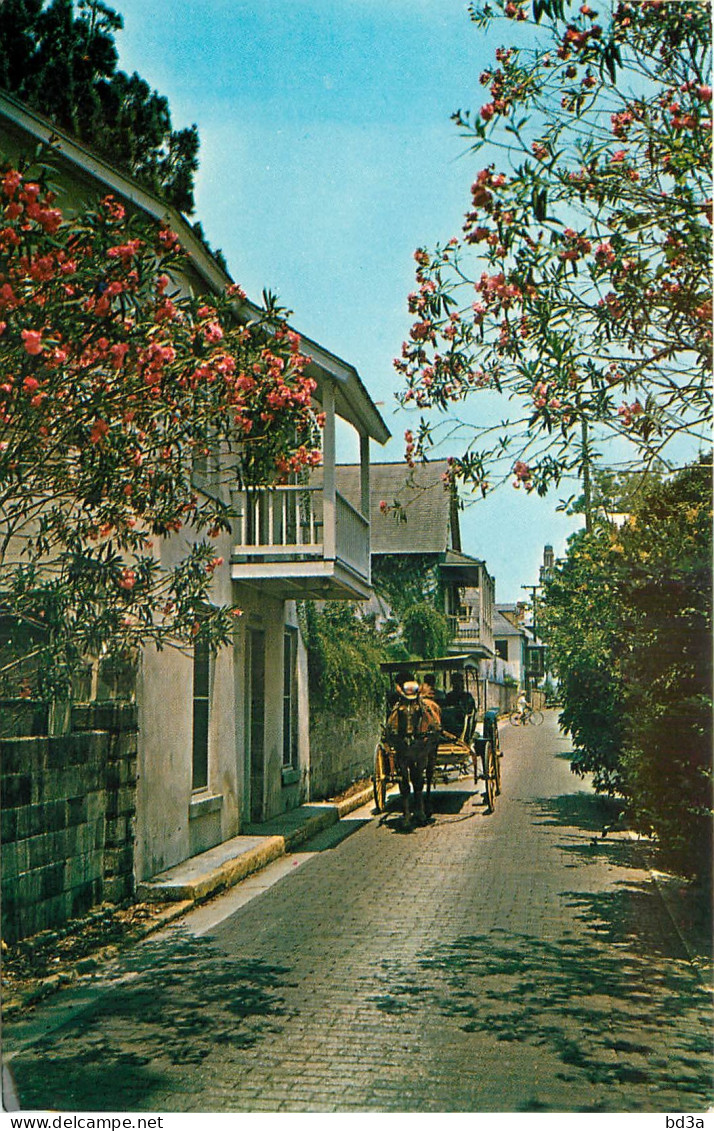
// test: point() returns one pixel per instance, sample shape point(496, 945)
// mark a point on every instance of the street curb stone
point(203, 876)
point(180, 897)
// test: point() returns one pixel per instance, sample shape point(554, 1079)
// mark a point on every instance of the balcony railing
point(465, 630)
point(281, 520)
point(352, 536)
point(296, 523)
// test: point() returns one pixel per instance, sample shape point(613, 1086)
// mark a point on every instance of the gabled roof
point(427, 521)
point(503, 627)
point(353, 402)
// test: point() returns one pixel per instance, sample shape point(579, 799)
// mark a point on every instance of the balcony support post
point(364, 490)
point(329, 479)
point(364, 474)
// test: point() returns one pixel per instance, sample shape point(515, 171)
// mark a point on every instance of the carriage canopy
point(467, 663)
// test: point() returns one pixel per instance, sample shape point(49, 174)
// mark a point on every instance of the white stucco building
point(224, 741)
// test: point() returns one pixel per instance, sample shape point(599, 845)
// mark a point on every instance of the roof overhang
point(352, 401)
point(465, 573)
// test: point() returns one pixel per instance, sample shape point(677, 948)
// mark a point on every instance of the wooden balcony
point(301, 542)
point(306, 541)
point(467, 636)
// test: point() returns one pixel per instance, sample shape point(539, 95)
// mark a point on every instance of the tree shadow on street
point(594, 835)
point(618, 852)
point(180, 1000)
point(618, 1005)
point(590, 812)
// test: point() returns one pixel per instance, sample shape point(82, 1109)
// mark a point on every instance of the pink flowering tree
point(576, 302)
point(114, 388)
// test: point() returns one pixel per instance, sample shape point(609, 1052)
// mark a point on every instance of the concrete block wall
point(67, 819)
point(341, 752)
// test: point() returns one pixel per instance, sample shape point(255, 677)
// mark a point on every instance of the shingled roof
point(430, 510)
point(502, 626)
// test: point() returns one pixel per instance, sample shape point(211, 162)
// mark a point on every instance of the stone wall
point(341, 752)
point(501, 696)
point(67, 820)
point(504, 697)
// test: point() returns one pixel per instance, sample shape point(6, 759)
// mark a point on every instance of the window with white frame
point(201, 712)
point(290, 700)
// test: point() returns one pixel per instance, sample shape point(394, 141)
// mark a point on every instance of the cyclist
point(524, 706)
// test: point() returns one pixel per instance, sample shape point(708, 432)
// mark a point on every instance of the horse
point(413, 730)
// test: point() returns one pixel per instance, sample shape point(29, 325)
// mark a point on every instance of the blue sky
point(327, 157)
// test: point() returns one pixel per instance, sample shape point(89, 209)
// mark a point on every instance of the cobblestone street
point(513, 962)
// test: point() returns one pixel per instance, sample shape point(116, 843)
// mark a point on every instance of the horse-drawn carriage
point(417, 744)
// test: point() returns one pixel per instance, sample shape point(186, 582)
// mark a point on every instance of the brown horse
point(413, 730)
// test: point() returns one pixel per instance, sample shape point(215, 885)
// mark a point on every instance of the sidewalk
point(203, 876)
point(159, 901)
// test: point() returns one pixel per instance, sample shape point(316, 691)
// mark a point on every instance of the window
point(290, 700)
point(535, 657)
point(201, 689)
point(501, 647)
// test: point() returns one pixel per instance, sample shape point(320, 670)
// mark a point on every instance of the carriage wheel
point(379, 787)
point(379, 781)
point(489, 774)
point(497, 767)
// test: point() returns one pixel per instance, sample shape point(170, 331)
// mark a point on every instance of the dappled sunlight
point(130, 1046)
point(615, 1010)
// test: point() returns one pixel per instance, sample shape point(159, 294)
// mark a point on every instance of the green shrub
point(628, 617)
point(425, 631)
point(344, 654)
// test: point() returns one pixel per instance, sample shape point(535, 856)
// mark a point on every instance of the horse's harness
point(410, 716)
point(413, 722)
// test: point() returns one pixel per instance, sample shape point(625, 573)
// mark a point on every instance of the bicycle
point(526, 716)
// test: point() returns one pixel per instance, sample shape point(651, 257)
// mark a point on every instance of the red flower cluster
point(523, 475)
point(133, 384)
point(628, 412)
point(576, 246)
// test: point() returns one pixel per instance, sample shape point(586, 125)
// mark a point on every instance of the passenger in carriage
point(458, 705)
point(428, 689)
point(431, 702)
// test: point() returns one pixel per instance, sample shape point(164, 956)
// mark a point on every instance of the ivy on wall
point(344, 654)
point(406, 580)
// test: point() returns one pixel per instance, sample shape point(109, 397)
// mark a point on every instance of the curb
point(703, 968)
point(204, 888)
point(270, 847)
point(211, 882)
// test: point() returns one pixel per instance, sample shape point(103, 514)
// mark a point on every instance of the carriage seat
point(457, 721)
